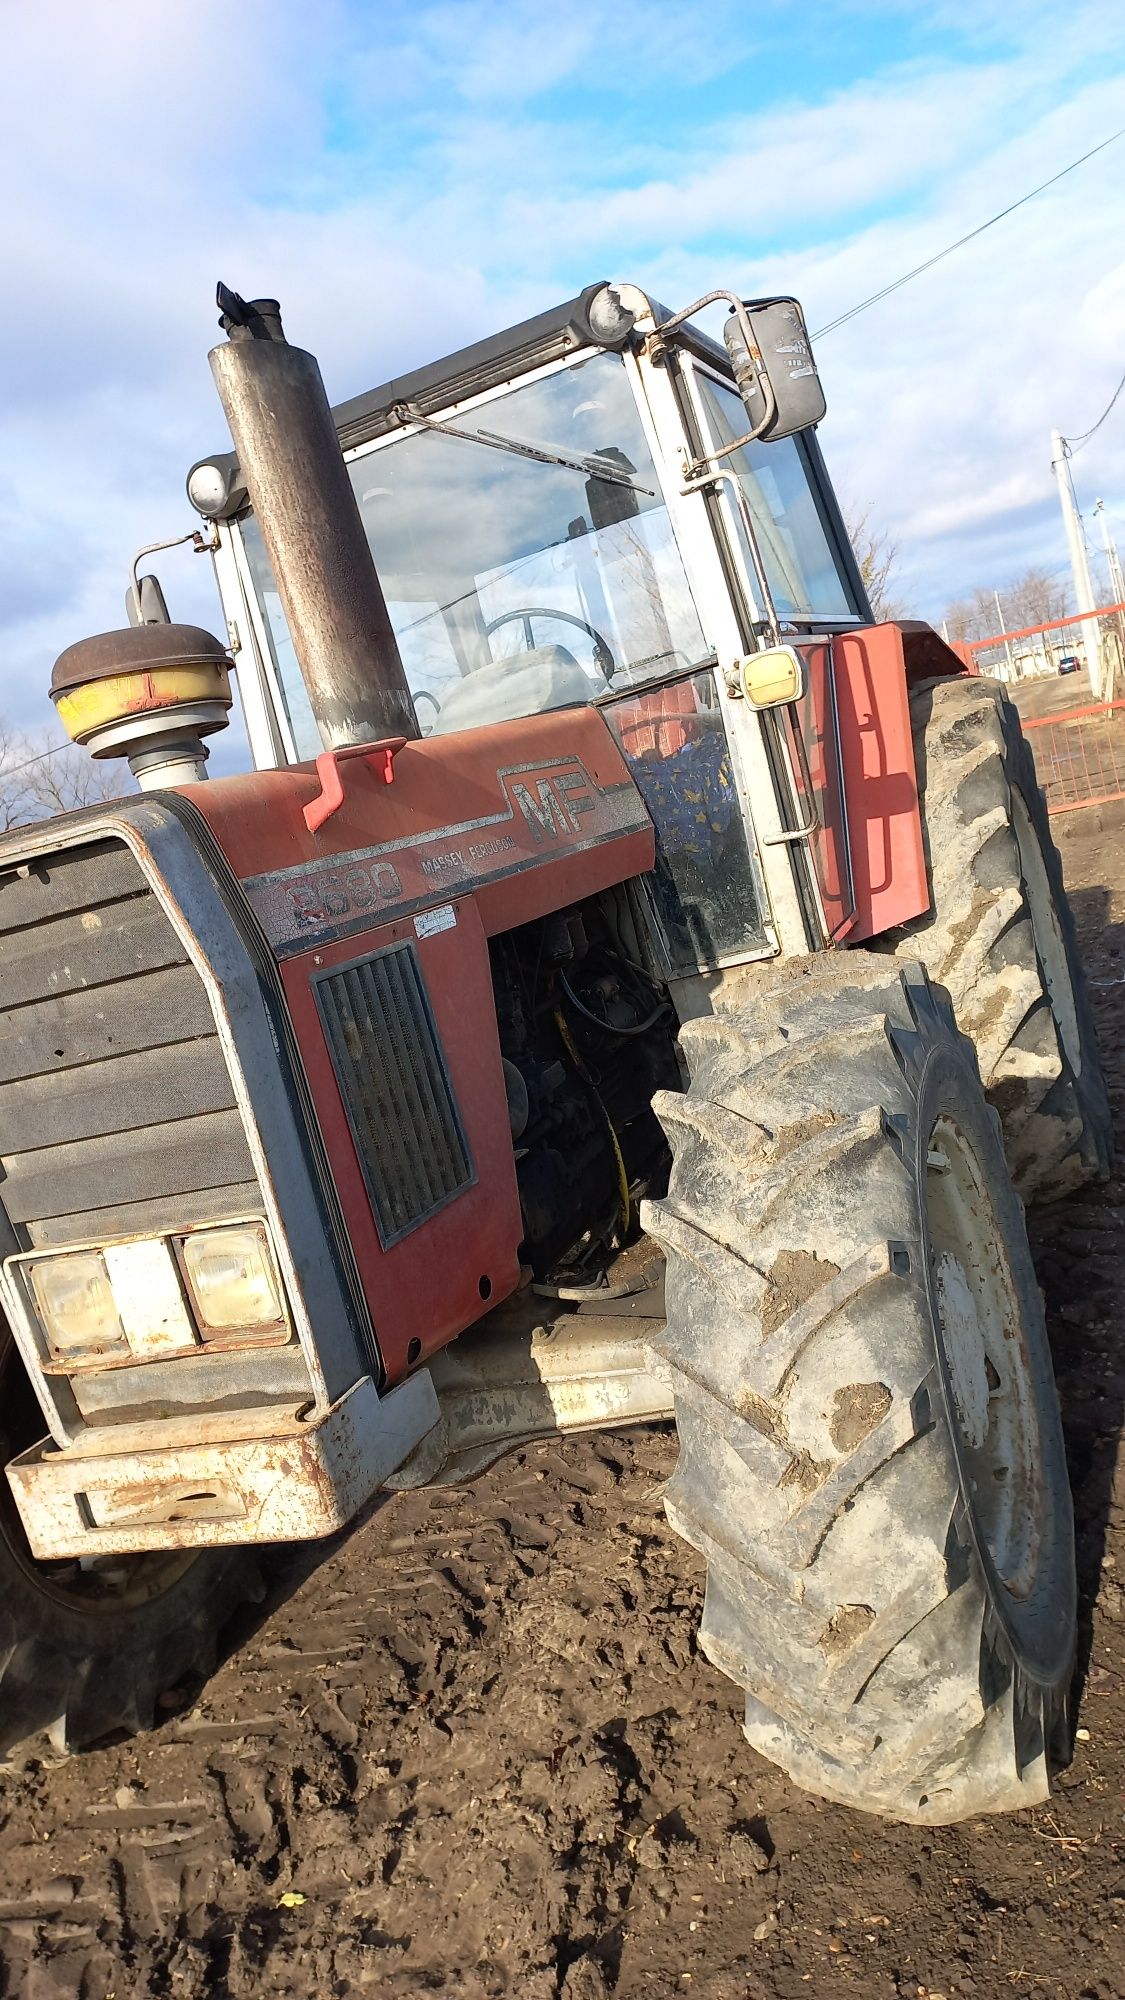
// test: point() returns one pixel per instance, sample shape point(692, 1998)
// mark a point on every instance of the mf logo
point(553, 806)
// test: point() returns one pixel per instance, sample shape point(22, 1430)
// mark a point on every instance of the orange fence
point(970, 649)
point(1080, 755)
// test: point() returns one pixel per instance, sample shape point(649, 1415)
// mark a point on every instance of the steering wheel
point(603, 656)
point(423, 694)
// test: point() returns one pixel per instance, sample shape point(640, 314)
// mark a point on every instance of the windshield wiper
point(594, 464)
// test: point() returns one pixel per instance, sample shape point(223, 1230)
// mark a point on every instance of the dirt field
point(472, 1749)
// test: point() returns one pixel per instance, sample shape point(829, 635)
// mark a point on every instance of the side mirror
point(146, 606)
point(772, 679)
point(774, 369)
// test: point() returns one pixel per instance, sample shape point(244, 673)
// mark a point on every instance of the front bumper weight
point(298, 1482)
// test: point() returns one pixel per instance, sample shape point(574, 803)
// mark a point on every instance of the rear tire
point(1001, 936)
point(871, 1457)
point(87, 1652)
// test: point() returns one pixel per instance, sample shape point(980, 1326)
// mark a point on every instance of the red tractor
point(547, 1035)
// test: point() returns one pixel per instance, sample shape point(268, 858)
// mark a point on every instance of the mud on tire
point(880, 1494)
point(1001, 936)
point(85, 1652)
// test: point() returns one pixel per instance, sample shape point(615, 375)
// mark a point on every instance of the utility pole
point(1116, 579)
point(1007, 642)
point(1116, 583)
point(1079, 567)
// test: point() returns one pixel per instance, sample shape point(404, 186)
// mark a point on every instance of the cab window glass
point(528, 565)
point(795, 550)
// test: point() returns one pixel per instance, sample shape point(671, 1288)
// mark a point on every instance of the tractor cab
point(564, 514)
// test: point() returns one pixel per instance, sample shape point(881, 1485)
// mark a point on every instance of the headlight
point(77, 1307)
point(234, 1286)
point(153, 1298)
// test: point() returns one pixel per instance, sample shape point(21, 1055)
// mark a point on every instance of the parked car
point(1068, 664)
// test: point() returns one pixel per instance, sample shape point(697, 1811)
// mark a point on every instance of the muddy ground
point(472, 1749)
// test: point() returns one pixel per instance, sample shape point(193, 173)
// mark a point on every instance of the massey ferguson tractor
point(631, 985)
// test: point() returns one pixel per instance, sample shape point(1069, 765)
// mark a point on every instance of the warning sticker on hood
point(442, 919)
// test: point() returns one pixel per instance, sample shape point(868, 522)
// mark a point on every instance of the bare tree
point(971, 617)
point(877, 556)
point(13, 779)
point(42, 774)
point(1034, 597)
point(965, 619)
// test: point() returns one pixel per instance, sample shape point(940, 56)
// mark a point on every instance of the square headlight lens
point(75, 1302)
point(233, 1284)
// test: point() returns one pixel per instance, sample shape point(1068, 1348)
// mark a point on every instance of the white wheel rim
point(980, 1329)
point(1049, 940)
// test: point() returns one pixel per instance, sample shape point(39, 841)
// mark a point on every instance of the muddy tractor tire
point(871, 1458)
point(1001, 936)
point(88, 1651)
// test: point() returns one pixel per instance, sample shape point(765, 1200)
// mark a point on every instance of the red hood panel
point(527, 815)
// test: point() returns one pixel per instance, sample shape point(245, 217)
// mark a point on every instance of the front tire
point(871, 1457)
point(85, 1652)
point(1001, 936)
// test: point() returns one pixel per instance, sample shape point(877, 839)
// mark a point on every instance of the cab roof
point(516, 350)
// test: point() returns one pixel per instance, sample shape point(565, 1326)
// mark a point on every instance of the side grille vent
point(392, 1077)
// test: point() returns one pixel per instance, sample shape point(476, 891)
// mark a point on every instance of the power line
point(1076, 444)
point(962, 240)
point(13, 770)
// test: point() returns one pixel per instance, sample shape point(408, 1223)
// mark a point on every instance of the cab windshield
point(526, 566)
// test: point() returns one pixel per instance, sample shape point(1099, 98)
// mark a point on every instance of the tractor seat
point(525, 684)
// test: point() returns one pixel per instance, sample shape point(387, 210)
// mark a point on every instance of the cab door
point(783, 551)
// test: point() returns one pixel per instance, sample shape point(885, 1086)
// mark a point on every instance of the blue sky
point(407, 178)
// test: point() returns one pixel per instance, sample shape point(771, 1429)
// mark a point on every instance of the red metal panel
point(450, 1269)
point(527, 815)
point(880, 781)
point(497, 826)
point(926, 655)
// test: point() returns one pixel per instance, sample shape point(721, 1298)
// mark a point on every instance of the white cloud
point(409, 181)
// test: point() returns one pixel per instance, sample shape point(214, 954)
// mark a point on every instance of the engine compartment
point(587, 1034)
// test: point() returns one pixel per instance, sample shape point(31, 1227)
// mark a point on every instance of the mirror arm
point(201, 543)
point(657, 336)
point(658, 339)
point(749, 437)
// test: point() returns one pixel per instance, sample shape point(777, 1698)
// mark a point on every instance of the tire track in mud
point(471, 1749)
point(440, 1708)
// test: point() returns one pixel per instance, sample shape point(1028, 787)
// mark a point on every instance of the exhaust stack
point(290, 458)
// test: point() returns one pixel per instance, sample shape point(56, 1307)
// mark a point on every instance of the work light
point(77, 1307)
point(231, 1277)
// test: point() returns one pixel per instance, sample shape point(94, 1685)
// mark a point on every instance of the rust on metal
point(289, 453)
point(136, 649)
point(161, 1486)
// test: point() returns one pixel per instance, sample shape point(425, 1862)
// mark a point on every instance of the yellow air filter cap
point(108, 687)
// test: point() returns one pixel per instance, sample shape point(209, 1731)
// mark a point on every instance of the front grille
point(117, 1113)
point(392, 1077)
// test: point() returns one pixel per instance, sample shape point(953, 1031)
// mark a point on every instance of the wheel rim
point(1049, 940)
point(982, 1338)
point(90, 1586)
